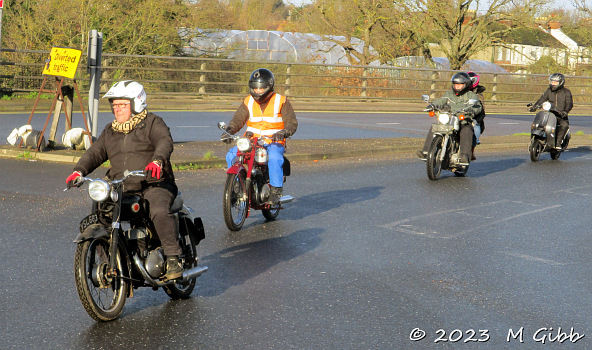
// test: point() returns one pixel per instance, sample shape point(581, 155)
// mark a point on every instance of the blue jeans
point(275, 162)
point(477, 131)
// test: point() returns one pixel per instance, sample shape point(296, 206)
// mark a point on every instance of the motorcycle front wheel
point(102, 296)
point(235, 201)
point(184, 290)
point(434, 162)
point(536, 149)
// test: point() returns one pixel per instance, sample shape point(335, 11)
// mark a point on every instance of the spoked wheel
point(235, 201)
point(536, 149)
point(271, 213)
point(184, 290)
point(433, 162)
point(102, 295)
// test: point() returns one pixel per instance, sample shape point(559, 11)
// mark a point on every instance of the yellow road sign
point(62, 62)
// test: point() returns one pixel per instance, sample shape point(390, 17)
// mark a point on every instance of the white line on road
point(192, 126)
point(388, 123)
point(508, 123)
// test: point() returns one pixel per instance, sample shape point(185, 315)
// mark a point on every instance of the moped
point(543, 132)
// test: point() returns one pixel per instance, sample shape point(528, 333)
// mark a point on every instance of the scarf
point(128, 126)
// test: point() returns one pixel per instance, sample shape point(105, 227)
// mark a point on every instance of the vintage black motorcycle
point(118, 250)
point(543, 132)
point(445, 147)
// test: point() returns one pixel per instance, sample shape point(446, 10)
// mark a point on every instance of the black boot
point(174, 269)
point(275, 195)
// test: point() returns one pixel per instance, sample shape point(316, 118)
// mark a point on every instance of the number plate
point(87, 221)
point(442, 128)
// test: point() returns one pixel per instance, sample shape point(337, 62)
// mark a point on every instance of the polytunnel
point(270, 46)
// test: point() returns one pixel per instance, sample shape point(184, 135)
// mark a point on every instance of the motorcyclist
point(561, 103)
point(457, 99)
point(138, 139)
point(265, 113)
point(478, 120)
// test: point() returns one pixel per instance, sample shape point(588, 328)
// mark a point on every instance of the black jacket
point(149, 140)
point(561, 100)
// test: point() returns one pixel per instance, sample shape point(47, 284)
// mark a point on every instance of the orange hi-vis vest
point(269, 121)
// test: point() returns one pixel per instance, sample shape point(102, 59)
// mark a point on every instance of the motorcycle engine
point(154, 263)
point(264, 193)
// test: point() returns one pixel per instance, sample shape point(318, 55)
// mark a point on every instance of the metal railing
point(199, 77)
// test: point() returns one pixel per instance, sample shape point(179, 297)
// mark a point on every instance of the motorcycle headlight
point(98, 190)
point(546, 105)
point(243, 144)
point(444, 118)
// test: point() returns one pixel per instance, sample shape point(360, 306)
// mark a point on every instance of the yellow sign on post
point(62, 62)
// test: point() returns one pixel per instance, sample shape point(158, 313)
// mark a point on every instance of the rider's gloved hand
point(73, 179)
point(230, 130)
point(154, 169)
point(533, 108)
point(279, 136)
point(249, 134)
point(226, 138)
point(563, 114)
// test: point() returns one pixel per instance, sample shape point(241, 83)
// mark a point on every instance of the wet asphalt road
point(369, 253)
point(201, 126)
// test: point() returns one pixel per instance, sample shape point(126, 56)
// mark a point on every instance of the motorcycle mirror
point(221, 125)
point(529, 105)
point(426, 98)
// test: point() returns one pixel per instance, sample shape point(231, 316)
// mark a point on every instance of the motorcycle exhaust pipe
point(286, 199)
point(192, 273)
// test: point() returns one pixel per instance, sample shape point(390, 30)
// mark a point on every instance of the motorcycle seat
point(177, 203)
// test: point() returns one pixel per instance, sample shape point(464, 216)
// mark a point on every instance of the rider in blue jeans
point(270, 114)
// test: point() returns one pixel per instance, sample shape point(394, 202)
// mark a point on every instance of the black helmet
point(261, 78)
point(461, 78)
point(556, 77)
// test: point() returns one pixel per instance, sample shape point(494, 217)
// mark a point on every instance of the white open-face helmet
point(129, 90)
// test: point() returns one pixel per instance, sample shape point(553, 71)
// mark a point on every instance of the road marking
point(192, 126)
point(508, 123)
point(534, 258)
point(388, 123)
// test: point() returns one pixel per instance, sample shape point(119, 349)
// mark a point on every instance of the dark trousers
point(562, 126)
point(466, 140)
point(159, 202)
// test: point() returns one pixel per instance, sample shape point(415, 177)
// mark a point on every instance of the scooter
point(543, 133)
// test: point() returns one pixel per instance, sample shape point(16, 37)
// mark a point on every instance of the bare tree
point(465, 27)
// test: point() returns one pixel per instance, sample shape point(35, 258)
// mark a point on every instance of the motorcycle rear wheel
point(102, 297)
point(271, 214)
point(536, 149)
point(433, 162)
point(235, 201)
point(184, 290)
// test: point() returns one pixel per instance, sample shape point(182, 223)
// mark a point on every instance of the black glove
point(563, 114)
point(533, 108)
point(249, 134)
point(279, 136)
point(230, 130)
point(226, 138)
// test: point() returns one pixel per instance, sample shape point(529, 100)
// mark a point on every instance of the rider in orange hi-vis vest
point(267, 114)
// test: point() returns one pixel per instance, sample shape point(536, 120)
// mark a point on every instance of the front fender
point(91, 232)
point(235, 169)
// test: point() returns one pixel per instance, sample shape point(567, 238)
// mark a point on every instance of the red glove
point(73, 179)
point(155, 168)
